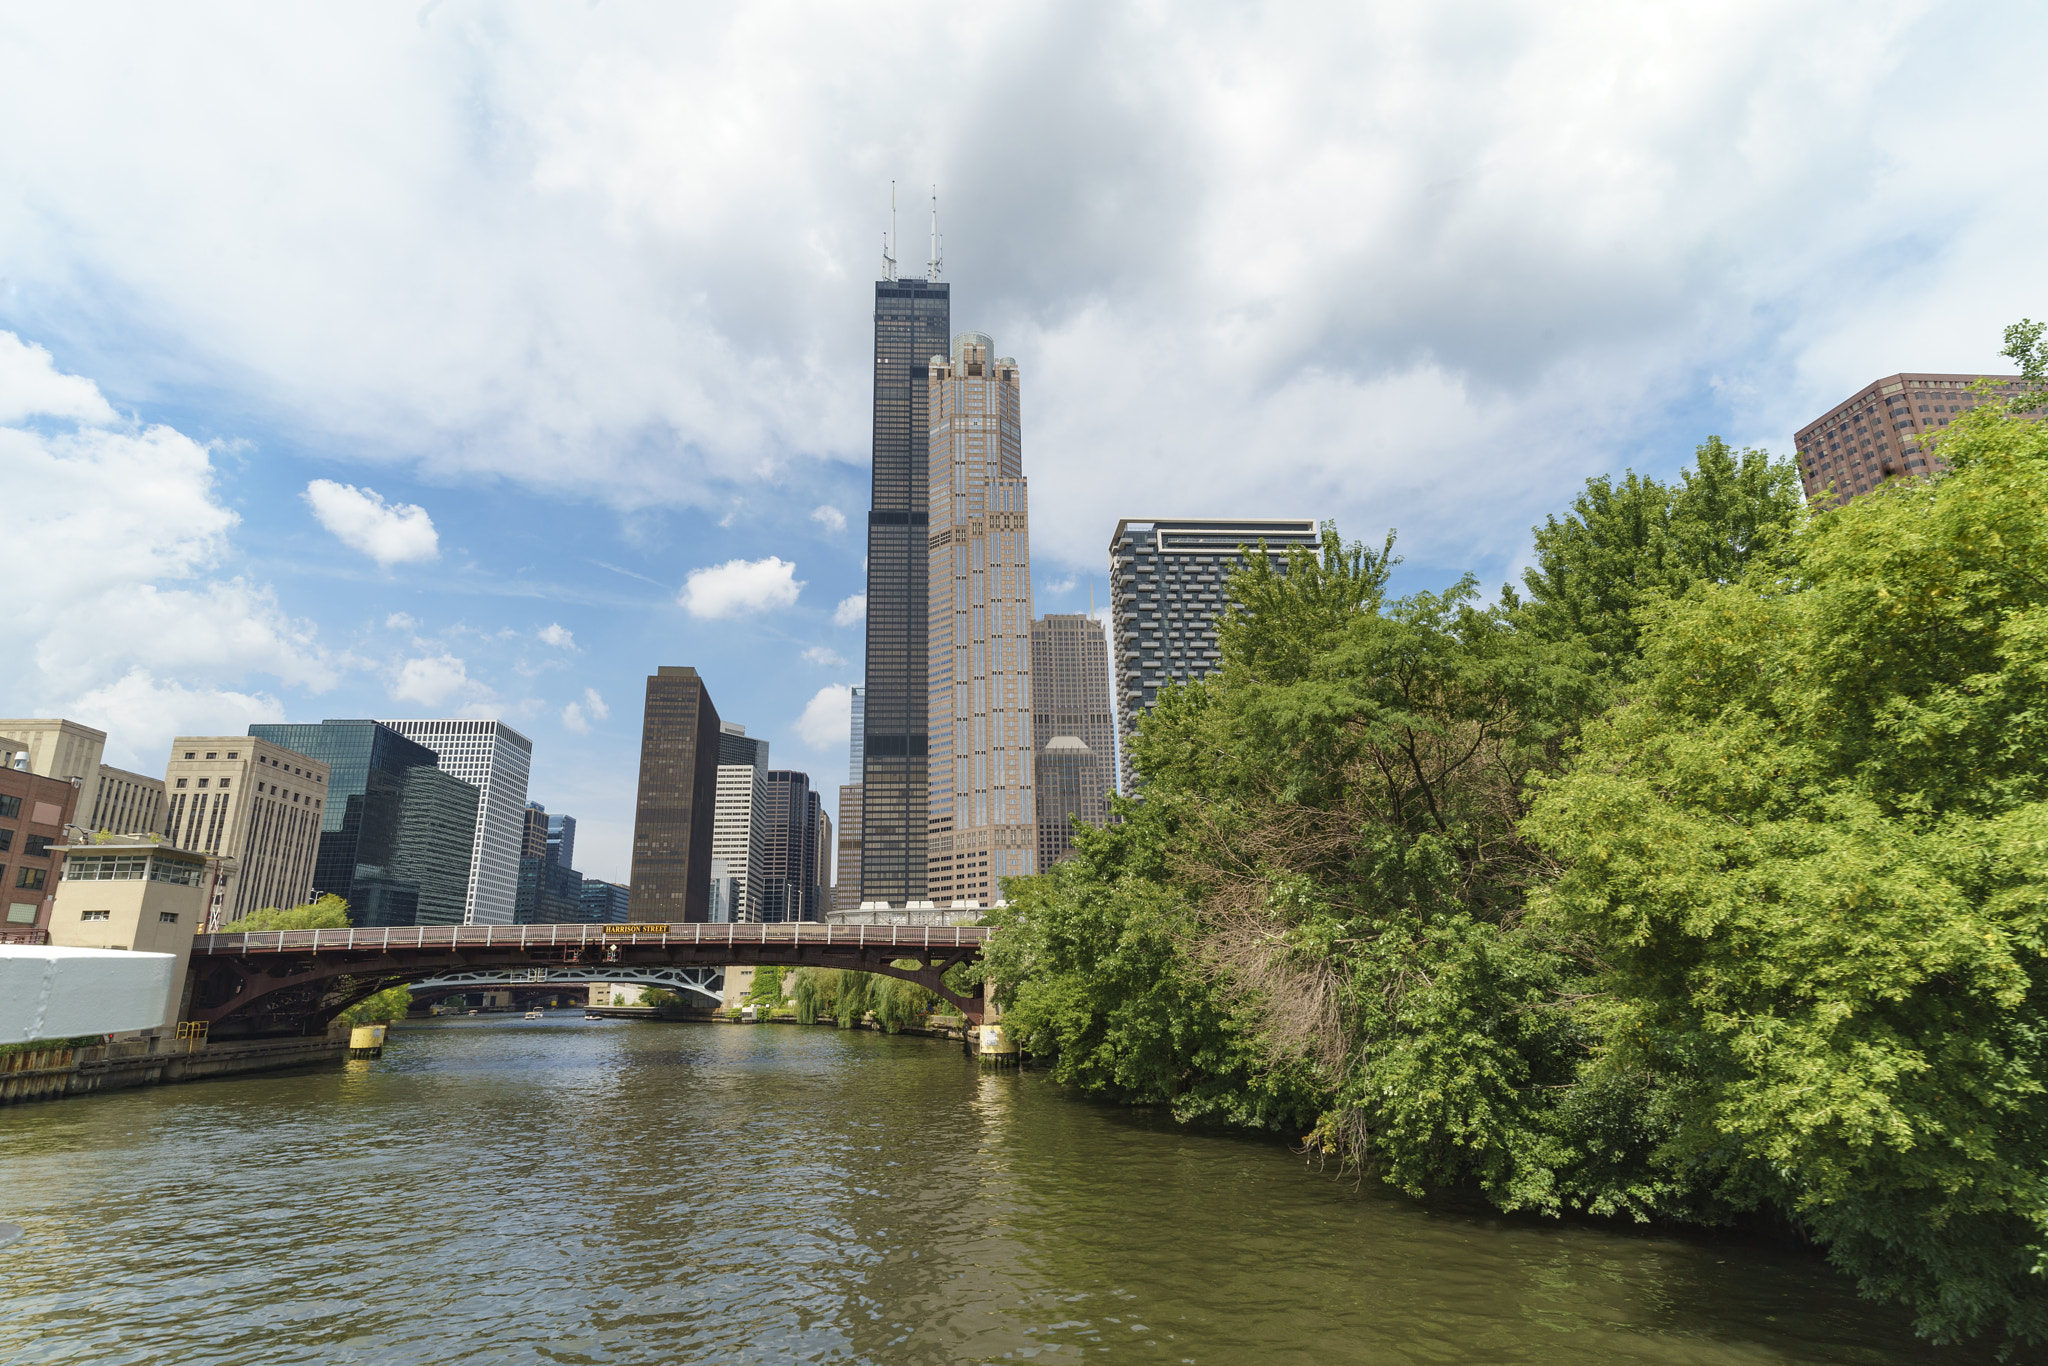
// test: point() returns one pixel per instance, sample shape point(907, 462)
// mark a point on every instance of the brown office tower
point(1073, 738)
point(678, 802)
point(981, 823)
point(1883, 432)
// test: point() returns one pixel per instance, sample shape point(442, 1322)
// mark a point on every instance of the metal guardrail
point(574, 936)
point(20, 935)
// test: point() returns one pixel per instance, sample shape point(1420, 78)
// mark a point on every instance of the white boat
point(534, 1015)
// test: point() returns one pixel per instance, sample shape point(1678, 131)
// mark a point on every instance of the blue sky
point(411, 359)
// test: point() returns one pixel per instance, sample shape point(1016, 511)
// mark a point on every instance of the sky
point(464, 359)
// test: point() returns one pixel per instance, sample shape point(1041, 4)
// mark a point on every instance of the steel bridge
point(296, 981)
point(707, 982)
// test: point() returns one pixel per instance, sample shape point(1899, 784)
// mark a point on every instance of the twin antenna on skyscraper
point(931, 270)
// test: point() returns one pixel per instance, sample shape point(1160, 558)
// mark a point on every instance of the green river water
point(571, 1191)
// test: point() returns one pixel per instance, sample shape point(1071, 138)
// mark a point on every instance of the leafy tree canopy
point(1625, 545)
point(1809, 854)
point(330, 912)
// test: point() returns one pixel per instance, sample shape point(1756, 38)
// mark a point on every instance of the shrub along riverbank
point(1705, 878)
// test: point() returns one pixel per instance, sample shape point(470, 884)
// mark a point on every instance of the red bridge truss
point(271, 981)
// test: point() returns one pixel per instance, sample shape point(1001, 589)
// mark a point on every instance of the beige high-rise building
point(846, 891)
point(739, 836)
point(126, 803)
point(256, 806)
point(60, 749)
point(981, 822)
point(1073, 734)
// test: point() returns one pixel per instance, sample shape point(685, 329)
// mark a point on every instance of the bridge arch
point(296, 981)
point(707, 982)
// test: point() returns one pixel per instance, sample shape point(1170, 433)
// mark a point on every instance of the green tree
point(766, 988)
point(2024, 347)
point(1628, 544)
point(329, 912)
point(815, 992)
point(854, 998)
point(1807, 854)
point(387, 1005)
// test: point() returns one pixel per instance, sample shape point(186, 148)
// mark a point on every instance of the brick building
point(1882, 432)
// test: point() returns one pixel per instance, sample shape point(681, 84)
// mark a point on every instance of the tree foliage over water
point(849, 997)
point(1705, 880)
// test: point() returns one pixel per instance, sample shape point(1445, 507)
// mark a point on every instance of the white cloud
point(431, 680)
point(850, 610)
point(827, 722)
point(555, 634)
point(389, 533)
point(829, 517)
point(577, 716)
point(739, 587)
point(400, 621)
point(1060, 585)
point(133, 608)
point(1428, 269)
point(141, 716)
point(825, 655)
point(32, 386)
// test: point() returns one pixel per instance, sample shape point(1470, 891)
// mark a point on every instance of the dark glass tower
point(672, 823)
point(396, 832)
point(913, 323)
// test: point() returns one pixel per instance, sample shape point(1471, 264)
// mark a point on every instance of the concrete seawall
point(52, 1073)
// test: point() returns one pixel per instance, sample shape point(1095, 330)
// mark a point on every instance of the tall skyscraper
point(1073, 735)
point(981, 822)
point(437, 819)
point(389, 841)
point(846, 887)
point(494, 759)
point(550, 890)
point(913, 322)
point(739, 836)
point(677, 801)
point(797, 861)
point(605, 903)
point(1168, 582)
point(254, 804)
point(562, 840)
point(1881, 432)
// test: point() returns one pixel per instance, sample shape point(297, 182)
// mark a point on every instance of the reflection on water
point(566, 1191)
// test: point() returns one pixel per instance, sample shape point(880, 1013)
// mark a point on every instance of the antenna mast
point(889, 242)
point(932, 270)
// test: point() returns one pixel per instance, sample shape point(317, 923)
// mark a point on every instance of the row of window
point(35, 846)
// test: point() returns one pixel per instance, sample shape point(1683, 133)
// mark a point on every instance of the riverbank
point(54, 1073)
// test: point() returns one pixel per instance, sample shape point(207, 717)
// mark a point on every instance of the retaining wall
point(52, 1073)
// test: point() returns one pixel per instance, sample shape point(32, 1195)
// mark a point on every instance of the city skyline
point(509, 448)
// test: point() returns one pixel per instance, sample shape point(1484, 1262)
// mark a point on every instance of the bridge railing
point(384, 938)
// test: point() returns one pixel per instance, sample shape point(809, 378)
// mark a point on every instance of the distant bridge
point(296, 981)
point(707, 982)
